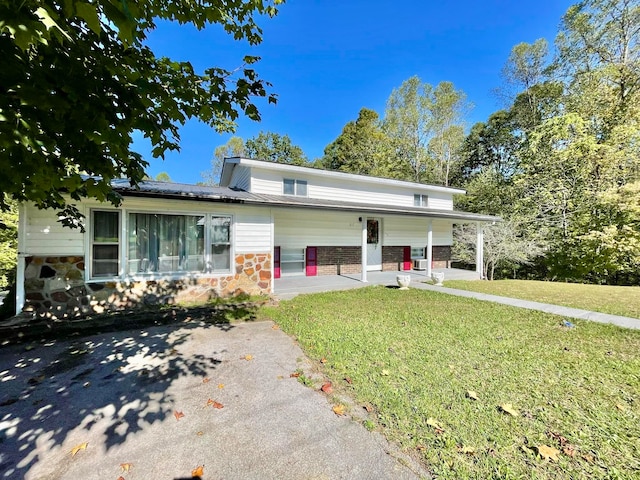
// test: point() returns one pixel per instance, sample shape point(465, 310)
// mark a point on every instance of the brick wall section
point(339, 260)
point(441, 256)
point(392, 258)
point(55, 287)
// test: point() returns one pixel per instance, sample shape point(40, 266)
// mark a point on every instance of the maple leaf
point(339, 409)
point(508, 408)
point(77, 448)
point(327, 388)
point(217, 405)
point(549, 453)
point(472, 395)
point(178, 414)
point(126, 467)
point(198, 471)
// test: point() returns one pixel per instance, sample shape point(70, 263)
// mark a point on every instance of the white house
point(171, 242)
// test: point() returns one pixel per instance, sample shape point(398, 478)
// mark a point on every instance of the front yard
point(475, 389)
point(615, 300)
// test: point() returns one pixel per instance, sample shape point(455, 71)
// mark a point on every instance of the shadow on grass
point(117, 382)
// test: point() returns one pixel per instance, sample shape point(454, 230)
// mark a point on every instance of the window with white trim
point(221, 243)
point(420, 200)
point(105, 243)
point(291, 186)
point(417, 253)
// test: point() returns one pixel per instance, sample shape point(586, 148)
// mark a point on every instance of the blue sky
point(327, 60)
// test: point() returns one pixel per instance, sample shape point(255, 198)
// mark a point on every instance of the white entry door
point(374, 244)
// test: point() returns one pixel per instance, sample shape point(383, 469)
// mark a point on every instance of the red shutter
point(406, 260)
point(276, 262)
point(312, 261)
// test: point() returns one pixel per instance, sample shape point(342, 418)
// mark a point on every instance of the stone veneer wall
point(339, 260)
point(55, 287)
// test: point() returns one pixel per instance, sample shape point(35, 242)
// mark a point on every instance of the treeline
point(560, 163)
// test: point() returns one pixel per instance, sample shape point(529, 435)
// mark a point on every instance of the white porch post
point(479, 249)
point(363, 267)
point(429, 246)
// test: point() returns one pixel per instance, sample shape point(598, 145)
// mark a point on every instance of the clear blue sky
point(327, 60)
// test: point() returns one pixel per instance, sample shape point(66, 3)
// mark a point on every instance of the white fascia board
point(342, 175)
point(227, 169)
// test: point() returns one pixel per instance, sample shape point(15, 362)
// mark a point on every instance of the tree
point(362, 148)
point(8, 245)
point(233, 148)
point(163, 177)
point(273, 147)
point(505, 246)
point(77, 79)
point(408, 124)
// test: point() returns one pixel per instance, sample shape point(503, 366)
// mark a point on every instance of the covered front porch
point(288, 287)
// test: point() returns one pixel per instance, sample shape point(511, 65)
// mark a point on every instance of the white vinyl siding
point(302, 228)
point(44, 235)
point(412, 231)
point(253, 231)
point(270, 182)
point(241, 178)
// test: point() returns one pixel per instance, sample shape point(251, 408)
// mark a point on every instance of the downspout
point(20, 293)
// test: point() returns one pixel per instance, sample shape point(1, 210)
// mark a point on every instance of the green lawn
point(414, 356)
point(599, 298)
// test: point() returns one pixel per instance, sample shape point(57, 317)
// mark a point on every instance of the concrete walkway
point(289, 288)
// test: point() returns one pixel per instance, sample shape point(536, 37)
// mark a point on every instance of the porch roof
point(228, 195)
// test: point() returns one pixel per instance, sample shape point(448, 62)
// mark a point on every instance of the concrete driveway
point(141, 405)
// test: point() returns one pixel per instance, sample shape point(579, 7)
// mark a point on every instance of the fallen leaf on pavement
point(120, 477)
point(339, 409)
point(221, 385)
point(275, 327)
point(549, 453)
point(247, 357)
point(508, 408)
point(368, 408)
point(178, 414)
point(126, 467)
point(327, 388)
point(214, 404)
point(198, 471)
point(206, 380)
point(323, 360)
point(77, 448)
point(200, 433)
point(294, 375)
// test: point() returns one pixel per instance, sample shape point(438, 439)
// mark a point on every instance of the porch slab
point(286, 288)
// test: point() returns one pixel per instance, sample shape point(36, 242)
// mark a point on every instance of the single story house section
point(170, 242)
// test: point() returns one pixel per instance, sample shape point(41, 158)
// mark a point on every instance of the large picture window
point(105, 243)
point(165, 243)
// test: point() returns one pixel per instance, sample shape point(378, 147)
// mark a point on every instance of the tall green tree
point(363, 148)
point(273, 147)
point(8, 245)
point(233, 148)
point(77, 79)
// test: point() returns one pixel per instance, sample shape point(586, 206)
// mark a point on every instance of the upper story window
point(294, 187)
point(420, 200)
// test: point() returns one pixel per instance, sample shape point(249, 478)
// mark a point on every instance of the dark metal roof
point(157, 189)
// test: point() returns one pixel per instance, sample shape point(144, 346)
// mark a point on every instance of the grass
point(615, 300)
point(413, 355)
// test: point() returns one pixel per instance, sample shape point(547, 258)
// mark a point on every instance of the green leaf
point(89, 14)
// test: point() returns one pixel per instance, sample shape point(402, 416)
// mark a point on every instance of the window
point(417, 252)
point(221, 243)
point(420, 200)
point(105, 243)
point(294, 187)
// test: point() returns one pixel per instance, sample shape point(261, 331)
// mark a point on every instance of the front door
point(374, 244)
